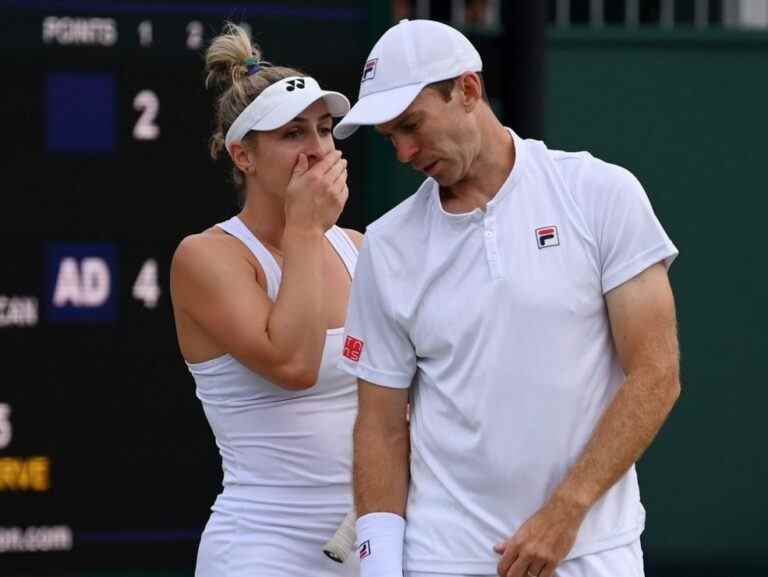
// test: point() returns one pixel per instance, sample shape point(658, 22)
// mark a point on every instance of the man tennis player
point(520, 299)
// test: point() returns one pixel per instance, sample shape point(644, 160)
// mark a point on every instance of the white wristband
point(380, 544)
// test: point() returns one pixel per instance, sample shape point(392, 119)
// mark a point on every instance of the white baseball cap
point(280, 103)
point(410, 55)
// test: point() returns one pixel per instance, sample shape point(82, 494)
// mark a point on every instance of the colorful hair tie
point(253, 65)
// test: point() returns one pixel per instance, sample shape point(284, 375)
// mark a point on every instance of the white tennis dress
point(286, 454)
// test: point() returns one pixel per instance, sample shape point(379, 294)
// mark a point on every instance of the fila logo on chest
point(546, 236)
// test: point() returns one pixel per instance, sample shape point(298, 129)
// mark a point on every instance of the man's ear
point(470, 89)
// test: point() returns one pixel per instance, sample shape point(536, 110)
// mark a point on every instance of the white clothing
point(496, 319)
point(286, 455)
point(624, 561)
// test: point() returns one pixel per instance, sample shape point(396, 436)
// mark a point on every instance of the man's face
point(436, 137)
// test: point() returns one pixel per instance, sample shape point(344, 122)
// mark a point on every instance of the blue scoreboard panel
point(106, 460)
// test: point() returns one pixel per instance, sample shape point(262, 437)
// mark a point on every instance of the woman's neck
point(264, 215)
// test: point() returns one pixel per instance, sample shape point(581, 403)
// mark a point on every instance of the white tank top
point(270, 437)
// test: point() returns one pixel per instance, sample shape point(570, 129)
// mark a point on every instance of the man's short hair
point(445, 87)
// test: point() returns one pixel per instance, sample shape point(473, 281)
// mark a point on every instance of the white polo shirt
point(497, 322)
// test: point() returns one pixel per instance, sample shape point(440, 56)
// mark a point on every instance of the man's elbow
point(674, 389)
point(660, 383)
point(668, 385)
point(390, 431)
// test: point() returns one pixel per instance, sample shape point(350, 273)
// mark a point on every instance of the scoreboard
point(106, 461)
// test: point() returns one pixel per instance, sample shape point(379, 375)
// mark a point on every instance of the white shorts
point(626, 561)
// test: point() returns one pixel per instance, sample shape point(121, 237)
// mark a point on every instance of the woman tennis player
point(259, 302)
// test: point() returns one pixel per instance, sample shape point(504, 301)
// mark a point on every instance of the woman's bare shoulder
point(211, 242)
point(208, 252)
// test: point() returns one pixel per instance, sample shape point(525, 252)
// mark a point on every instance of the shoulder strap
point(344, 247)
point(236, 228)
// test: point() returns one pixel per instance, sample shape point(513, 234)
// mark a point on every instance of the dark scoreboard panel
point(106, 461)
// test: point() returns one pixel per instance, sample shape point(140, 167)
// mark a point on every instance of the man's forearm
point(626, 429)
point(381, 467)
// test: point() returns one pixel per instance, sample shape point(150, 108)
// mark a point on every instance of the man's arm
point(642, 316)
point(381, 450)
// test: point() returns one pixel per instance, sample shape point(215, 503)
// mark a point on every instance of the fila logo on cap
point(292, 85)
point(547, 236)
point(353, 348)
point(365, 550)
point(369, 70)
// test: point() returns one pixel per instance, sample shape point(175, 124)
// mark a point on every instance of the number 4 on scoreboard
point(6, 431)
point(146, 288)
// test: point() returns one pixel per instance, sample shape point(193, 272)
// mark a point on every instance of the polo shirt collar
point(513, 178)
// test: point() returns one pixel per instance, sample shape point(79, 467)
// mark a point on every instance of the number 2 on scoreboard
point(149, 104)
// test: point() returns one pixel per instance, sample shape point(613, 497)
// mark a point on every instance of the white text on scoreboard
point(18, 311)
point(68, 31)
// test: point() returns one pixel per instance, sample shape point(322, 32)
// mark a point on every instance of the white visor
point(280, 103)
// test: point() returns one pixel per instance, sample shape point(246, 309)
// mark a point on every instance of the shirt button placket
point(491, 246)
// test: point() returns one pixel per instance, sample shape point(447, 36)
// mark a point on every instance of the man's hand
point(543, 541)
